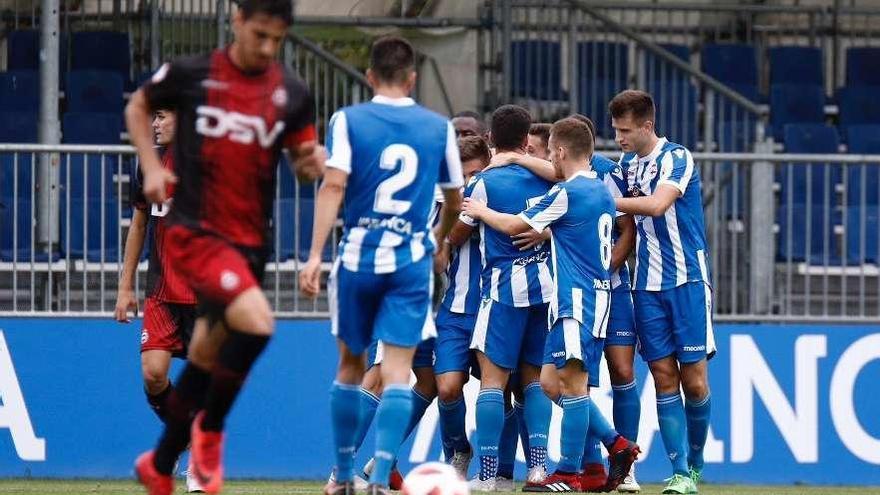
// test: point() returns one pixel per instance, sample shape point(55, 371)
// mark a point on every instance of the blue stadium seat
point(94, 91)
point(593, 96)
point(731, 63)
point(23, 171)
point(813, 203)
point(85, 238)
point(290, 224)
point(603, 60)
point(735, 127)
point(23, 52)
point(18, 127)
point(863, 139)
point(91, 128)
point(861, 66)
point(858, 105)
point(19, 216)
point(20, 91)
point(657, 69)
point(795, 104)
point(102, 50)
point(537, 70)
point(287, 184)
point(676, 102)
point(796, 65)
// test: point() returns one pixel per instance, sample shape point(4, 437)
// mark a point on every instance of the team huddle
point(530, 233)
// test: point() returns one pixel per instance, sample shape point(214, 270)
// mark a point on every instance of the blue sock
point(538, 412)
point(599, 427)
point(575, 421)
point(490, 421)
point(420, 405)
point(369, 403)
point(627, 410)
point(521, 421)
point(452, 427)
point(670, 416)
point(507, 445)
point(698, 429)
point(345, 408)
point(592, 450)
point(391, 420)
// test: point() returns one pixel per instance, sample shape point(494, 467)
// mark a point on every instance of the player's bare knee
point(250, 313)
point(155, 380)
point(448, 391)
point(426, 385)
point(550, 385)
point(695, 387)
point(372, 381)
point(621, 373)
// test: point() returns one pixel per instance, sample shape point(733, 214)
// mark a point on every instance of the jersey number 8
point(409, 164)
point(605, 222)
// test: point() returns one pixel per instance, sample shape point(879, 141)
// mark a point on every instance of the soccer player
point(512, 319)
point(539, 136)
point(469, 123)
point(236, 109)
point(170, 305)
point(672, 289)
point(580, 211)
point(386, 157)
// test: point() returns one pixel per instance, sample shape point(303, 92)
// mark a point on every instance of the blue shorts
point(454, 332)
point(570, 339)
point(622, 322)
point(392, 307)
point(508, 335)
point(424, 357)
point(675, 322)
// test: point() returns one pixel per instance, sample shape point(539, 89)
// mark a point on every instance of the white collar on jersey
point(395, 102)
point(589, 174)
point(654, 153)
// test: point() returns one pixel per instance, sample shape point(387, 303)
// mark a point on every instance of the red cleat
point(594, 478)
point(206, 453)
point(155, 482)
point(396, 481)
point(556, 482)
point(621, 457)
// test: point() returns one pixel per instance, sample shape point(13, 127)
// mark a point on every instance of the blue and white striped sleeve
point(475, 189)
point(552, 207)
point(338, 144)
point(450, 168)
point(616, 187)
point(676, 169)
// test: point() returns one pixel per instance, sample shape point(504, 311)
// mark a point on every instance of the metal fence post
point(49, 126)
point(761, 215)
point(221, 23)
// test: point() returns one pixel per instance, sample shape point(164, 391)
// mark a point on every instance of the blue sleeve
point(551, 208)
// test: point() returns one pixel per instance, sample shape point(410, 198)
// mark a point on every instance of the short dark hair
point(633, 102)
point(471, 147)
point(470, 114)
point(574, 135)
point(541, 130)
point(282, 9)
point(392, 58)
point(510, 126)
point(586, 120)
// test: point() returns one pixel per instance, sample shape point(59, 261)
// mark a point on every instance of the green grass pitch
point(89, 487)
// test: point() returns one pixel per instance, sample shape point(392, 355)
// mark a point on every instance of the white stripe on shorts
point(600, 313)
point(571, 335)
point(481, 327)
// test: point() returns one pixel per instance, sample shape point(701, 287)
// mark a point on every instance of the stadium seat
point(795, 104)
point(85, 238)
point(735, 126)
point(731, 63)
point(23, 170)
point(23, 52)
point(94, 91)
point(603, 60)
point(537, 70)
point(593, 96)
point(657, 69)
point(18, 127)
point(91, 128)
point(861, 66)
point(862, 185)
point(290, 223)
point(808, 195)
point(20, 91)
point(858, 105)
point(676, 102)
point(18, 216)
point(795, 65)
point(102, 50)
point(86, 170)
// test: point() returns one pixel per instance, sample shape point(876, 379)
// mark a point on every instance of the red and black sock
point(158, 402)
point(184, 399)
point(237, 355)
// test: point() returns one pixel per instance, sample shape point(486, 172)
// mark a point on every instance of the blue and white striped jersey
point(463, 294)
point(394, 152)
point(510, 276)
point(580, 214)
point(671, 249)
point(614, 176)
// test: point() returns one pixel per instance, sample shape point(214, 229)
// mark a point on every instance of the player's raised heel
point(155, 482)
point(207, 456)
point(622, 455)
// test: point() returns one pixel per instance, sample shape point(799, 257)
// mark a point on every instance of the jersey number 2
point(409, 164)
point(605, 240)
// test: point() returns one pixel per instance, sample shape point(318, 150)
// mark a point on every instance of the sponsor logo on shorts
point(624, 333)
point(558, 354)
point(228, 280)
point(144, 336)
point(693, 348)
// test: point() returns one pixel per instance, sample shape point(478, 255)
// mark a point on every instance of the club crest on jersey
point(240, 128)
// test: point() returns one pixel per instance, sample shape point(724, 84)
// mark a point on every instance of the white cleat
point(478, 485)
point(630, 485)
point(536, 475)
point(503, 484)
point(360, 484)
point(461, 461)
point(192, 483)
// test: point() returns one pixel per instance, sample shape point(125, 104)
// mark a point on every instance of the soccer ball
point(434, 478)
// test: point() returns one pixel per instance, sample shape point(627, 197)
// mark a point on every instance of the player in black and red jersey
point(236, 109)
point(170, 305)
